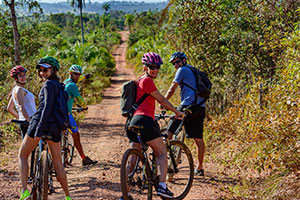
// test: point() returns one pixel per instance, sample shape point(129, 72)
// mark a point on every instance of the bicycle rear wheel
point(40, 191)
point(180, 169)
point(67, 148)
point(135, 175)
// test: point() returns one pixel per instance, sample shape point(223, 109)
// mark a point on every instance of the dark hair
point(54, 75)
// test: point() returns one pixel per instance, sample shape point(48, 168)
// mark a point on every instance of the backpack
point(61, 108)
point(127, 100)
point(202, 82)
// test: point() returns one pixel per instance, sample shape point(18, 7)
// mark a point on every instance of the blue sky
point(100, 1)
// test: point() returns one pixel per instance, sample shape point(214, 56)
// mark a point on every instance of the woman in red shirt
point(144, 115)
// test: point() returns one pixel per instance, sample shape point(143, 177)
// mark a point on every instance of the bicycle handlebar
point(21, 122)
point(79, 109)
point(163, 115)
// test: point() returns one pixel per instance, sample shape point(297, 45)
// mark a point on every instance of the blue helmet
point(177, 54)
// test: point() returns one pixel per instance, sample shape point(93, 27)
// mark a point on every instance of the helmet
point(17, 70)
point(177, 54)
point(152, 59)
point(76, 69)
point(49, 60)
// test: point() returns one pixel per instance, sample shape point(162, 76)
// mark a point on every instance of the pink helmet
point(17, 70)
point(152, 59)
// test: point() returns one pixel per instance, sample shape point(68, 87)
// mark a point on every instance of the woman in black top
point(43, 122)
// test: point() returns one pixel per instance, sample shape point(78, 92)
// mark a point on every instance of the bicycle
point(67, 144)
point(43, 178)
point(139, 171)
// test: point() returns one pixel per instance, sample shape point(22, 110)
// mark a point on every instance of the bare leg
point(200, 152)
point(57, 162)
point(160, 152)
point(27, 146)
point(77, 143)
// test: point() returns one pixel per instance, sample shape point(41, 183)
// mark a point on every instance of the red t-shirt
point(147, 108)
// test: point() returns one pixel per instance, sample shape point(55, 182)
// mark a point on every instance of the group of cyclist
point(42, 120)
point(144, 115)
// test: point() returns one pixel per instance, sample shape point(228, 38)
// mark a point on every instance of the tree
point(106, 7)
point(80, 4)
point(129, 18)
point(11, 4)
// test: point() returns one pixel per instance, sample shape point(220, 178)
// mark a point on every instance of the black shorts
point(23, 128)
point(193, 123)
point(51, 129)
point(150, 129)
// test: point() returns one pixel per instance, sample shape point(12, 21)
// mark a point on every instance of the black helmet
point(177, 54)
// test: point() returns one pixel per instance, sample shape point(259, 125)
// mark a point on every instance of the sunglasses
point(44, 70)
point(153, 67)
point(177, 61)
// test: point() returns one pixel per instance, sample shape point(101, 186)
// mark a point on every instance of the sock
point(83, 157)
point(163, 185)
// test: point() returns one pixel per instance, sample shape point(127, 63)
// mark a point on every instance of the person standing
point(185, 78)
point(72, 89)
point(43, 122)
point(21, 99)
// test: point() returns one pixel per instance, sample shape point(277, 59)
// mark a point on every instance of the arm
point(10, 108)
point(20, 99)
point(49, 98)
point(81, 101)
point(165, 102)
point(171, 90)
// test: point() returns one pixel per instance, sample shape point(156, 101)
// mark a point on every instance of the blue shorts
point(73, 125)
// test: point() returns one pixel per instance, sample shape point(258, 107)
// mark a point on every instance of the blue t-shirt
point(73, 92)
point(184, 74)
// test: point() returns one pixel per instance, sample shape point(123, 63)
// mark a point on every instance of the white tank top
point(29, 103)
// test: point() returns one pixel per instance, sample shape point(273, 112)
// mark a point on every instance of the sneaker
point(25, 195)
point(88, 161)
point(129, 197)
point(68, 198)
point(166, 193)
point(199, 172)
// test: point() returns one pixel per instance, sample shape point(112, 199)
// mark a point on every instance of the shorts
point(149, 132)
point(23, 128)
point(51, 128)
point(193, 123)
point(73, 125)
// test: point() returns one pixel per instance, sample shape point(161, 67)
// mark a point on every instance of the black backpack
point(127, 100)
point(61, 108)
point(202, 82)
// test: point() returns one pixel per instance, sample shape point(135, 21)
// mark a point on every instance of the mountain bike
point(43, 177)
point(139, 171)
point(67, 144)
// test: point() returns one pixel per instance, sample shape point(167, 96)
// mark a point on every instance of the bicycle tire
point(136, 181)
point(71, 148)
point(44, 172)
point(180, 182)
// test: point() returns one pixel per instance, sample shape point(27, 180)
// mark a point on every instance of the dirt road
point(103, 139)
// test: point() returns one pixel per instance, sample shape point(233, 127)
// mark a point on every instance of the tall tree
point(11, 4)
point(129, 19)
point(79, 4)
point(106, 7)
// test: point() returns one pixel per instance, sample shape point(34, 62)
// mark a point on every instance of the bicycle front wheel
point(135, 176)
point(180, 169)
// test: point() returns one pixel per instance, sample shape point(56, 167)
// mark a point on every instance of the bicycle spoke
point(180, 174)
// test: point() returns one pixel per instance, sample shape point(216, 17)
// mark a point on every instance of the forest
point(249, 48)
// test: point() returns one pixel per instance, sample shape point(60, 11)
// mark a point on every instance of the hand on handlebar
point(86, 108)
point(179, 115)
point(86, 76)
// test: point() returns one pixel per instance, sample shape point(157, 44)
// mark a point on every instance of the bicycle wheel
point(67, 148)
point(70, 148)
point(180, 169)
point(135, 175)
point(42, 191)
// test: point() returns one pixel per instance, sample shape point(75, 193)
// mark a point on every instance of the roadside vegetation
point(250, 49)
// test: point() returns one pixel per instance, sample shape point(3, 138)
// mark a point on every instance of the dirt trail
point(104, 139)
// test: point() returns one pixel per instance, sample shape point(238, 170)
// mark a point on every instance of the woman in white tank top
point(21, 99)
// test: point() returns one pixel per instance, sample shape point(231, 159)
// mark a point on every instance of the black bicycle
point(139, 171)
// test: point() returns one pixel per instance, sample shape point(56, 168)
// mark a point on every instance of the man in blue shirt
point(72, 89)
point(193, 123)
